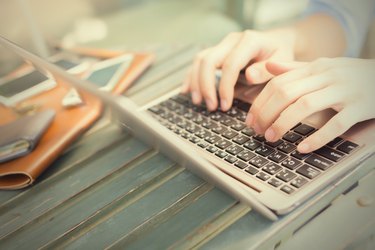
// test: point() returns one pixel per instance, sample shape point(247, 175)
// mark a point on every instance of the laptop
point(272, 178)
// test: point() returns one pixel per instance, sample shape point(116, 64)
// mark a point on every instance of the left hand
point(345, 85)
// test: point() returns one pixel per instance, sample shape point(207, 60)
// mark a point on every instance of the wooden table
point(109, 190)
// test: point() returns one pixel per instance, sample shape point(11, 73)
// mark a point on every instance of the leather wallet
point(20, 137)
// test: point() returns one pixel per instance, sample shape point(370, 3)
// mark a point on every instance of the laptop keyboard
point(225, 135)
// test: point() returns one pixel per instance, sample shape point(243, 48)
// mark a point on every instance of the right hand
point(249, 49)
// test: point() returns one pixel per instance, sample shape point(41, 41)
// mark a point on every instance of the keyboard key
point(241, 139)
point(226, 120)
point(234, 149)
point(259, 138)
point(194, 139)
point(241, 116)
point(334, 142)
point(229, 134)
point(240, 164)
point(231, 159)
point(292, 137)
point(223, 144)
point(233, 112)
point(212, 139)
point(286, 147)
point(263, 176)
point(216, 116)
point(244, 106)
point(286, 175)
point(330, 154)
point(248, 131)
point(203, 144)
point(308, 171)
point(203, 134)
point(246, 155)
point(271, 168)
point(274, 144)
point(238, 126)
point(251, 170)
point(291, 163)
point(277, 156)
point(319, 162)
point(252, 145)
point(275, 182)
point(209, 124)
point(156, 110)
point(221, 154)
point(347, 147)
point(211, 149)
point(300, 156)
point(258, 161)
point(287, 189)
point(264, 150)
point(219, 129)
point(304, 129)
point(298, 182)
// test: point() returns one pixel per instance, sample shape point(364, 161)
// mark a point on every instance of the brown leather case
point(68, 123)
point(67, 126)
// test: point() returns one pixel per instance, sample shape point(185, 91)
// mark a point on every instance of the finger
point(286, 94)
point(210, 62)
point(194, 79)
point(335, 127)
point(272, 87)
point(302, 108)
point(278, 68)
point(257, 73)
point(186, 83)
point(238, 58)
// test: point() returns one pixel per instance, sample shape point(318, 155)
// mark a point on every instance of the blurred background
point(137, 24)
point(130, 23)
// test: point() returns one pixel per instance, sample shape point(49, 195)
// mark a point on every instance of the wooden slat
point(181, 224)
point(126, 217)
point(62, 187)
point(84, 207)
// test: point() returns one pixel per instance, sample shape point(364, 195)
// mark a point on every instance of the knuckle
point(340, 125)
point(305, 103)
point(319, 65)
point(229, 66)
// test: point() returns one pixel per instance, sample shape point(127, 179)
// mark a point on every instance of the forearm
point(318, 35)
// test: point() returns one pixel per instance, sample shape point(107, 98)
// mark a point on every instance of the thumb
point(278, 68)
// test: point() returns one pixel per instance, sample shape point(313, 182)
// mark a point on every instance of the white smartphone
point(29, 82)
point(106, 74)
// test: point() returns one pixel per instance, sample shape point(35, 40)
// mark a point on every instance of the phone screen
point(14, 86)
point(101, 77)
point(65, 64)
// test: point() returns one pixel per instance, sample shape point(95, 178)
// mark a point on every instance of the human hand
point(251, 49)
point(345, 85)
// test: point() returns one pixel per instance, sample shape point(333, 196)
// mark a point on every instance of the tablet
point(106, 74)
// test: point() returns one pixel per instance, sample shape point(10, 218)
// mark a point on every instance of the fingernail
point(255, 74)
point(224, 105)
point(210, 105)
point(184, 88)
point(256, 128)
point(249, 119)
point(303, 148)
point(270, 134)
point(195, 97)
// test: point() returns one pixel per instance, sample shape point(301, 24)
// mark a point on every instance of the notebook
point(270, 177)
